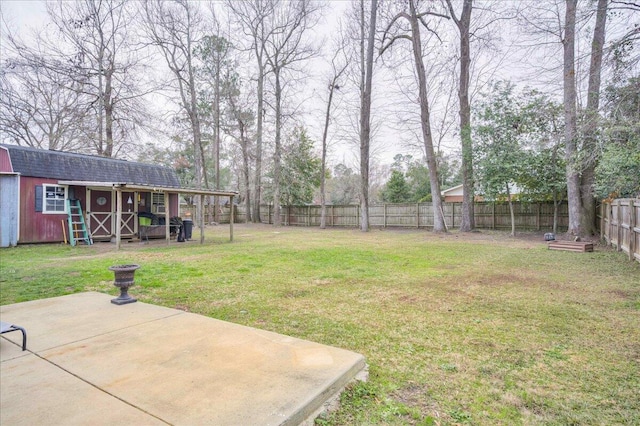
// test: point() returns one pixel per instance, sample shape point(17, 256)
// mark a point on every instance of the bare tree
point(415, 19)
point(625, 55)
point(240, 128)
point(252, 17)
point(286, 46)
point(591, 121)
point(546, 22)
point(103, 59)
point(349, 123)
point(39, 107)
point(570, 120)
point(366, 76)
point(88, 62)
point(175, 28)
point(213, 52)
point(338, 68)
point(463, 23)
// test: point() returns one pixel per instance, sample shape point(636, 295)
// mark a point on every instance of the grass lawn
point(457, 329)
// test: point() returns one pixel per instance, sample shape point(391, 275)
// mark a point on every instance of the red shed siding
point(5, 161)
point(36, 227)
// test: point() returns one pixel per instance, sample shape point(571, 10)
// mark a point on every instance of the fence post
point(333, 221)
point(610, 222)
point(632, 225)
point(603, 210)
point(538, 217)
point(453, 215)
point(384, 215)
point(619, 222)
point(493, 216)
point(358, 216)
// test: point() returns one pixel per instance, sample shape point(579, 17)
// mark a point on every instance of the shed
point(110, 192)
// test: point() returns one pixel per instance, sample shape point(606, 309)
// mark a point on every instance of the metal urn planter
point(123, 280)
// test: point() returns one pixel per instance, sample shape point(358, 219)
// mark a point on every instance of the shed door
point(9, 206)
point(129, 214)
point(101, 214)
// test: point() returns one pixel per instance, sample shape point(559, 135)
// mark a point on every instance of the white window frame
point(158, 202)
point(55, 190)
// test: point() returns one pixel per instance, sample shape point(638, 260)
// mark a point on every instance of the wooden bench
point(577, 246)
point(5, 327)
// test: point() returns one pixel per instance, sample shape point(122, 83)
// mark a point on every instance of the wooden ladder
point(77, 225)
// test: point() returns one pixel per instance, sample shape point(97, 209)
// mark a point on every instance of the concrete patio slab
point(164, 364)
point(61, 320)
point(36, 392)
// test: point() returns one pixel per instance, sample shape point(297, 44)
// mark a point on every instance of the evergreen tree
point(300, 170)
point(396, 190)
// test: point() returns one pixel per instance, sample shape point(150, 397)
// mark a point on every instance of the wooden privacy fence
point(528, 216)
point(620, 225)
point(224, 213)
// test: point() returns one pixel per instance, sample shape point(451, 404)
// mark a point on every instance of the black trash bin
point(188, 228)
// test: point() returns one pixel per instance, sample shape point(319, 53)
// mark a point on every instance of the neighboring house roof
point(457, 190)
point(453, 191)
point(81, 167)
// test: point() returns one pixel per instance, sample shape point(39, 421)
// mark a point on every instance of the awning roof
point(150, 188)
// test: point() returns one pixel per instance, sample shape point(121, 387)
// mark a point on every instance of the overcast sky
point(503, 61)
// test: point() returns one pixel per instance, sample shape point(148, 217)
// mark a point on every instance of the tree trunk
point(257, 188)
point(198, 157)
point(365, 114)
point(216, 142)
point(100, 148)
point(438, 217)
point(277, 155)
point(108, 115)
point(571, 157)
point(591, 125)
point(323, 167)
point(244, 145)
point(511, 212)
point(467, 221)
point(245, 167)
point(556, 204)
point(183, 71)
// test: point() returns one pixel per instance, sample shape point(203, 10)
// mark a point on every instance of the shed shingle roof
point(80, 167)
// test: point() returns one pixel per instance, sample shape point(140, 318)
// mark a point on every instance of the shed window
point(157, 202)
point(54, 199)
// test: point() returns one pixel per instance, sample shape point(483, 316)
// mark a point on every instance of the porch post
point(118, 217)
point(167, 214)
point(231, 219)
point(87, 209)
point(136, 202)
point(201, 219)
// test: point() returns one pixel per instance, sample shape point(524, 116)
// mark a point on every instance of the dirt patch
point(184, 308)
point(623, 294)
point(416, 396)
